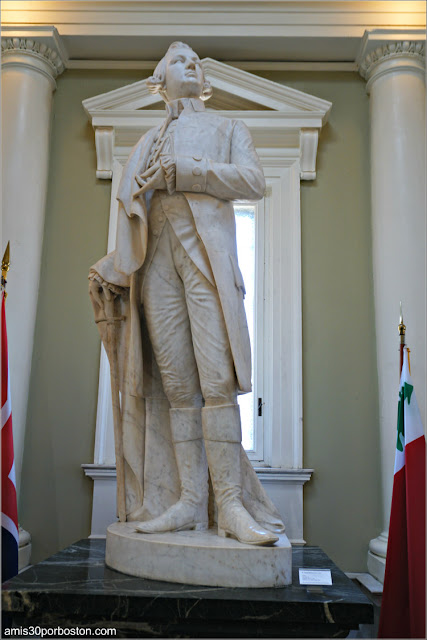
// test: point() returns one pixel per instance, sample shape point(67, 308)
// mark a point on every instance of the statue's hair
point(156, 82)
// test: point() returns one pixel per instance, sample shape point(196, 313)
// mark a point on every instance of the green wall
point(342, 501)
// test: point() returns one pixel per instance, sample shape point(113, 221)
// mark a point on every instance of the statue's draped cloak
point(151, 475)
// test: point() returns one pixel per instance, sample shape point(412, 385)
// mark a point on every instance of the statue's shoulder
point(231, 127)
point(215, 118)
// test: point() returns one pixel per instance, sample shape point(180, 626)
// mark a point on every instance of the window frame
point(279, 378)
point(282, 311)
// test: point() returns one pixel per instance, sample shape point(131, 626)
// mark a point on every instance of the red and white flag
point(9, 512)
point(403, 608)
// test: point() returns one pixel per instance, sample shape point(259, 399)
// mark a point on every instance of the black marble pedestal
point(75, 588)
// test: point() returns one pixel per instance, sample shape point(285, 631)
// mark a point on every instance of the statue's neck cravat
point(174, 109)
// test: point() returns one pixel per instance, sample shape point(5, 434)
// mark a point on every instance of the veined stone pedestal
point(198, 558)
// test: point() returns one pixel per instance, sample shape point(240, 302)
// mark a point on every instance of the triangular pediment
point(233, 90)
point(278, 117)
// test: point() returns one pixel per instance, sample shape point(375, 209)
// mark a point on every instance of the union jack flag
point(9, 511)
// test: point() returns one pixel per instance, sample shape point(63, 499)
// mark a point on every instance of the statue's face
point(184, 75)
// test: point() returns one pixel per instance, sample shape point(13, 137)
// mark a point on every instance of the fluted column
point(31, 60)
point(395, 74)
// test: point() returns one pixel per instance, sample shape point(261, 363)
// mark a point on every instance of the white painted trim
point(103, 471)
point(132, 124)
point(288, 119)
point(104, 142)
point(94, 31)
point(247, 65)
point(294, 338)
point(282, 319)
point(295, 476)
point(309, 139)
point(279, 65)
point(300, 16)
point(260, 90)
point(104, 497)
point(237, 84)
point(282, 364)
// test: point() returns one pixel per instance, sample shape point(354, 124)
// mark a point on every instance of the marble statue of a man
point(181, 334)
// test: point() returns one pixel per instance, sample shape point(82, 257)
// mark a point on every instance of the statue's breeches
point(187, 329)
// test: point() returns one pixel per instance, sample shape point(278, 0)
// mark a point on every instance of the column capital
point(36, 47)
point(386, 50)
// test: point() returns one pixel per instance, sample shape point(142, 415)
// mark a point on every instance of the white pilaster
point(394, 67)
point(32, 57)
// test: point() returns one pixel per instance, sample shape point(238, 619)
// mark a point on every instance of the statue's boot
point(191, 511)
point(222, 433)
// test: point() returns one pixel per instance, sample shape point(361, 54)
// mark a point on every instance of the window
point(250, 253)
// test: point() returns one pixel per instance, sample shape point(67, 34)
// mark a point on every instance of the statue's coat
point(230, 170)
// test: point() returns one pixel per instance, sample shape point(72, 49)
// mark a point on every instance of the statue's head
point(179, 74)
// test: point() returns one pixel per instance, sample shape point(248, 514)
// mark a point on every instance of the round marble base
point(197, 557)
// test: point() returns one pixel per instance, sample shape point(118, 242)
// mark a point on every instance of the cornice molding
point(290, 13)
point(246, 65)
point(127, 34)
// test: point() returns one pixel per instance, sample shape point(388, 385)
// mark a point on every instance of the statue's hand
point(153, 178)
point(101, 296)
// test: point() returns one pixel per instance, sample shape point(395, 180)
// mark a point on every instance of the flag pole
point(5, 266)
point(402, 330)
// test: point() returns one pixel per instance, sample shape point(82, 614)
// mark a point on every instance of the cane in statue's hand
point(105, 300)
point(111, 319)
